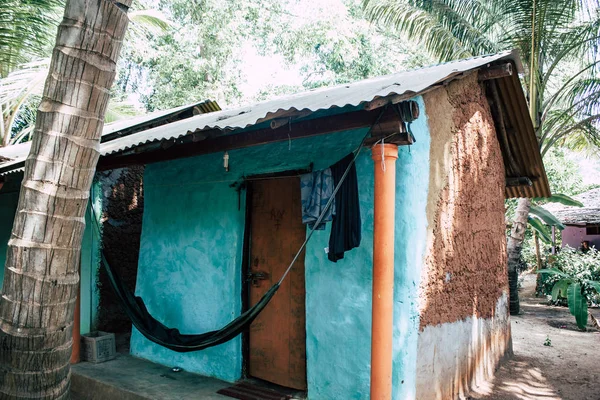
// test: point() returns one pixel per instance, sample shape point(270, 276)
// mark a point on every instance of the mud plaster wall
point(465, 267)
point(464, 327)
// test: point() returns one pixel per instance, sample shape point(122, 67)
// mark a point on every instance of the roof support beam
point(389, 125)
point(519, 181)
point(495, 72)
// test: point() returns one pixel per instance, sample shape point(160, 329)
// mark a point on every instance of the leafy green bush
point(581, 266)
point(574, 276)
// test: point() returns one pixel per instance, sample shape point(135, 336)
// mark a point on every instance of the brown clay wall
point(123, 208)
point(465, 268)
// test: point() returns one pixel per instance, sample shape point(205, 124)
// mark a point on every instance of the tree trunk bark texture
point(41, 274)
point(538, 255)
point(515, 243)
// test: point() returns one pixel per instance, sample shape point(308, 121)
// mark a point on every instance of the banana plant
point(540, 219)
point(573, 290)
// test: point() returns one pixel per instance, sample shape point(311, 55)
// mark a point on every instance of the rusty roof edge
point(528, 143)
point(534, 141)
point(112, 130)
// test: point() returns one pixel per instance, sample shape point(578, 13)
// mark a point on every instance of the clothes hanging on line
point(346, 226)
point(316, 189)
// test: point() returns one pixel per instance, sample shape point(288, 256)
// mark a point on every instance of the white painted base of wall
point(452, 358)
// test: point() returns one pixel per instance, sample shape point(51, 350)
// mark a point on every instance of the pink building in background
point(582, 223)
point(573, 235)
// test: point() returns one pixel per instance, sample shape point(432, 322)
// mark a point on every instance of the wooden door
point(277, 338)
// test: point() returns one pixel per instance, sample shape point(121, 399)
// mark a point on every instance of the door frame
point(245, 292)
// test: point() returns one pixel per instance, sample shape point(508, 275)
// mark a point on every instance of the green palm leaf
point(546, 216)
point(23, 80)
point(558, 41)
point(553, 271)
point(594, 284)
point(145, 22)
point(562, 199)
point(27, 29)
point(540, 229)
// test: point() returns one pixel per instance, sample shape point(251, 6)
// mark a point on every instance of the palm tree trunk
point(515, 243)
point(538, 255)
point(41, 274)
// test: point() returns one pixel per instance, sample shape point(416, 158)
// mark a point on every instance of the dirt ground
point(568, 369)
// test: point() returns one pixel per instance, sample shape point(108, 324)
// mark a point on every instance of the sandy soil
point(569, 369)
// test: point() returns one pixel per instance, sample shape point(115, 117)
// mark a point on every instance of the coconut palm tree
point(41, 273)
point(558, 41)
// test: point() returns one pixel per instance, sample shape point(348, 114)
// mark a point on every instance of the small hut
point(413, 306)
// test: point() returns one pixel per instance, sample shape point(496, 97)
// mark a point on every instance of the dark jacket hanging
point(345, 229)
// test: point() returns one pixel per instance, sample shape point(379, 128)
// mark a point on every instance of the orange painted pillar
point(76, 330)
point(384, 157)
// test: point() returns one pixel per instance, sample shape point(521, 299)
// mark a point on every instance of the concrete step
point(130, 378)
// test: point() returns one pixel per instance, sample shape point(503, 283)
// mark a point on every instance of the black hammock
point(171, 338)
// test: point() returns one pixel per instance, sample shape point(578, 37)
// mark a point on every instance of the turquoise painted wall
point(412, 171)
point(8, 207)
point(189, 268)
point(338, 296)
point(90, 263)
point(189, 271)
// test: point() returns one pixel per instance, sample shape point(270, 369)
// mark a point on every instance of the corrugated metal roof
point(523, 143)
point(18, 153)
point(406, 85)
point(203, 107)
point(15, 151)
point(369, 93)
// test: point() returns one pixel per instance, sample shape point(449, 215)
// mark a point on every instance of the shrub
point(580, 266)
point(574, 276)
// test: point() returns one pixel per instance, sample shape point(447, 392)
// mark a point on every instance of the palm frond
point(16, 89)
point(25, 79)
point(572, 116)
point(27, 28)
point(118, 110)
point(541, 229)
point(546, 216)
point(575, 42)
point(418, 25)
point(143, 22)
point(560, 198)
